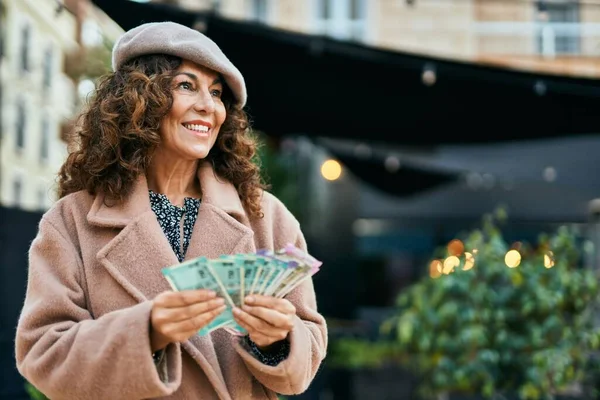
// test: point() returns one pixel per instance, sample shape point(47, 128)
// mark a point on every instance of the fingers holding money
point(281, 305)
point(176, 316)
point(179, 331)
point(267, 319)
point(261, 333)
point(184, 313)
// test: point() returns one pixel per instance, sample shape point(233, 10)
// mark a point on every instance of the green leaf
point(405, 330)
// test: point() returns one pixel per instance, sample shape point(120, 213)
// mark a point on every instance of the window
point(91, 35)
point(25, 38)
point(341, 19)
point(356, 10)
point(558, 33)
point(1, 109)
point(357, 18)
point(260, 10)
point(2, 27)
point(17, 191)
point(45, 142)
point(41, 197)
point(324, 9)
point(20, 128)
point(48, 58)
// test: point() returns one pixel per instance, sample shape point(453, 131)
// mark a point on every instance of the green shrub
point(528, 330)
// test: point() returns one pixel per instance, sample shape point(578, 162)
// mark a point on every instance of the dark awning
point(391, 174)
point(316, 86)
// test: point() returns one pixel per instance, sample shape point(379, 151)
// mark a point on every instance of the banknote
point(234, 276)
point(186, 276)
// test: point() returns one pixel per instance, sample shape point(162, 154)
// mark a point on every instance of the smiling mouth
point(197, 129)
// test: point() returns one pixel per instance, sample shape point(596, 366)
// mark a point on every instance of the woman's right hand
point(176, 316)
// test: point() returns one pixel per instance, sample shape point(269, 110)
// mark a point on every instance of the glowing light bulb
point(512, 259)
point(469, 261)
point(331, 170)
point(549, 259)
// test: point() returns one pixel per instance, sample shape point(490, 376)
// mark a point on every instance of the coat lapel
point(222, 224)
point(136, 255)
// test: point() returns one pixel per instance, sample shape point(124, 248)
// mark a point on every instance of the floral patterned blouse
point(169, 218)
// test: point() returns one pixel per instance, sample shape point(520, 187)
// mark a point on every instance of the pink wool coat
point(93, 271)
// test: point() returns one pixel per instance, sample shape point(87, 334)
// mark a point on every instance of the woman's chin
point(199, 153)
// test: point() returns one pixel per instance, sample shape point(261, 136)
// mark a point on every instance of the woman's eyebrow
point(194, 77)
point(189, 75)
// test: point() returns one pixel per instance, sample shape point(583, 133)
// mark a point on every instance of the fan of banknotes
point(233, 277)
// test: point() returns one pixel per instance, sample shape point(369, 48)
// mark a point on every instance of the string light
point(331, 170)
point(512, 259)
point(469, 261)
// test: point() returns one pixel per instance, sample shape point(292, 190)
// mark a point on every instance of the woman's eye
point(185, 85)
point(216, 93)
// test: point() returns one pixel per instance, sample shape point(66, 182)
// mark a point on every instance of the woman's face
point(191, 127)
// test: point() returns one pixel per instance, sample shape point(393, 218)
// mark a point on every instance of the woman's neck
point(175, 178)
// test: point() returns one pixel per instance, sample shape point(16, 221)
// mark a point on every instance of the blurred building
point(557, 36)
point(36, 98)
point(39, 79)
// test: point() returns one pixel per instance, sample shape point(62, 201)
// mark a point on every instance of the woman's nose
point(205, 102)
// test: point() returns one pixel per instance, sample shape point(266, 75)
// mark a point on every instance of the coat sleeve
point(308, 344)
point(64, 352)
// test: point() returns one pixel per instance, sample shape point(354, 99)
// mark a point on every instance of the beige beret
point(179, 40)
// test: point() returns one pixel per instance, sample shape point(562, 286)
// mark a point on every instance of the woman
point(161, 172)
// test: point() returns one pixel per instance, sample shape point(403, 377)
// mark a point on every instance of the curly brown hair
point(118, 132)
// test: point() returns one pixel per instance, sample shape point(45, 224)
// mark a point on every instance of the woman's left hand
point(266, 318)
